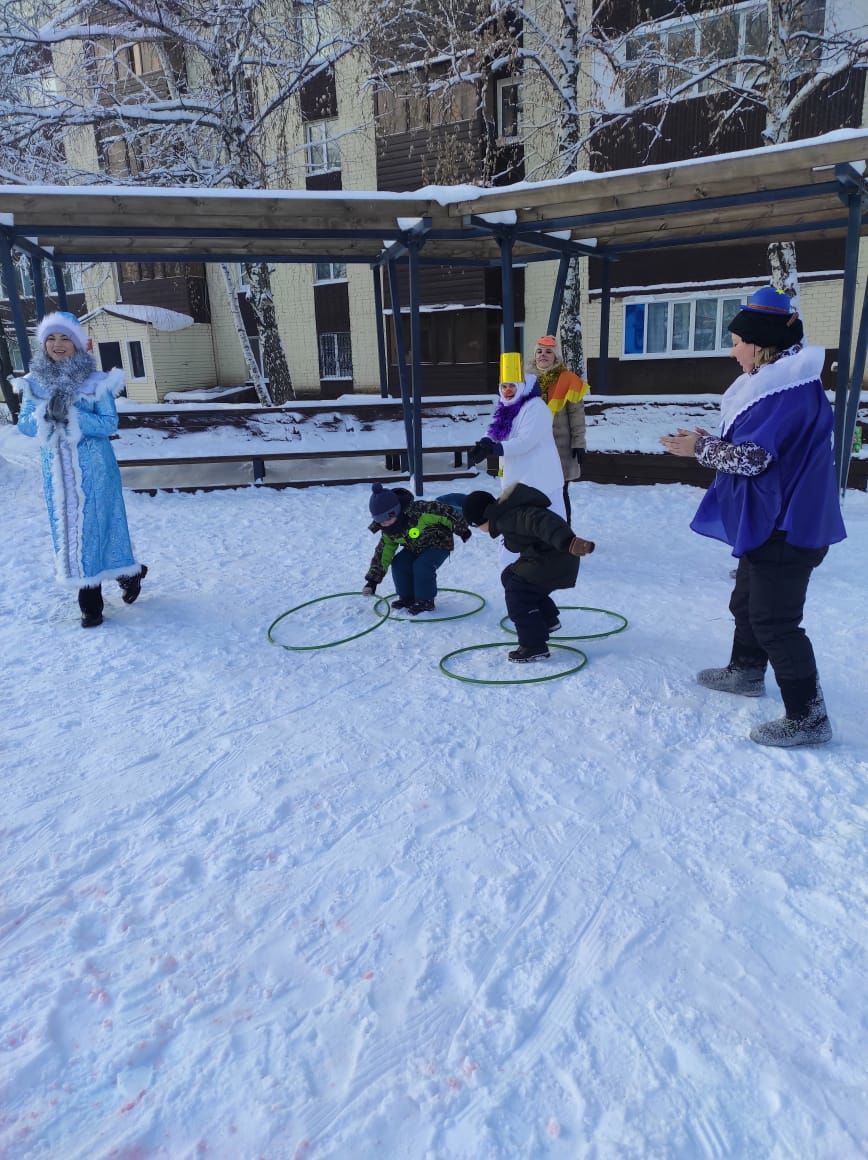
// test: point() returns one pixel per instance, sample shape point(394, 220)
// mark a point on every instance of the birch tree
point(176, 92)
point(589, 71)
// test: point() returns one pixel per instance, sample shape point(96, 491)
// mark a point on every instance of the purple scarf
point(505, 415)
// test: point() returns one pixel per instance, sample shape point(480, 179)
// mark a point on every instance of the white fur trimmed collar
point(95, 386)
point(791, 370)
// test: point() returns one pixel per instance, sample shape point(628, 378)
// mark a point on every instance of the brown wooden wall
point(677, 376)
point(187, 295)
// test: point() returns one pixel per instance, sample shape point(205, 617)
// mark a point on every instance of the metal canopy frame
point(810, 189)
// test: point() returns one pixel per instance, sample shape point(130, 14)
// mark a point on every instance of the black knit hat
point(768, 320)
point(476, 507)
point(384, 503)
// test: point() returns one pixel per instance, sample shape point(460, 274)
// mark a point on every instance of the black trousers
point(530, 609)
point(567, 505)
point(768, 602)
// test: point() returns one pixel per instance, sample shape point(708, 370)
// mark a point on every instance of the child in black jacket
point(547, 548)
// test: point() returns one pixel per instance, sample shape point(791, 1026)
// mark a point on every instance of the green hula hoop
point(331, 643)
point(435, 619)
point(506, 623)
point(519, 681)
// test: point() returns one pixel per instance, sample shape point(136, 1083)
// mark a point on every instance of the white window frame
point(321, 151)
point(337, 273)
point(330, 346)
point(723, 343)
point(501, 88)
point(648, 34)
point(131, 342)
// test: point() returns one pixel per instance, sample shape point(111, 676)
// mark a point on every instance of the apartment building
point(352, 130)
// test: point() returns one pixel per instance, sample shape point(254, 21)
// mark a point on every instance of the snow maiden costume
point(68, 405)
point(775, 501)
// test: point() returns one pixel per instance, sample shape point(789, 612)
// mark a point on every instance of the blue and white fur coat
point(81, 478)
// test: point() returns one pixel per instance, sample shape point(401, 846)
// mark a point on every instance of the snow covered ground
point(332, 903)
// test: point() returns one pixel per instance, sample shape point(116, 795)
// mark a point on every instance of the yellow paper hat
point(511, 369)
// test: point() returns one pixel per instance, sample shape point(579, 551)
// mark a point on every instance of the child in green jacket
point(415, 539)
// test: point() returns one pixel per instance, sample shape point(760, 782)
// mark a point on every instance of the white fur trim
point(790, 371)
point(62, 323)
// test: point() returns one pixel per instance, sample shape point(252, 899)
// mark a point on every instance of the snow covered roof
point(157, 316)
point(789, 190)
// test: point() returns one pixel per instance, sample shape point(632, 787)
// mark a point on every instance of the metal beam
point(602, 383)
point(857, 371)
point(558, 295)
point(37, 270)
point(401, 357)
point(416, 353)
point(845, 333)
point(59, 285)
point(507, 294)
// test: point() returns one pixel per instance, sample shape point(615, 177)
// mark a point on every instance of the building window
point(15, 354)
point(321, 148)
point(335, 356)
point(23, 277)
point(661, 59)
point(110, 356)
point(137, 360)
point(330, 272)
point(679, 327)
point(508, 98)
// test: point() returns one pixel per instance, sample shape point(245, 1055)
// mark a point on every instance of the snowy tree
point(591, 71)
point(766, 61)
point(191, 92)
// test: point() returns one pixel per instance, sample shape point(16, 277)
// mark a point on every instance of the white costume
point(529, 453)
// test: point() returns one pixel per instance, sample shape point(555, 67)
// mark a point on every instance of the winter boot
point(748, 682)
point(90, 604)
point(131, 586)
point(420, 606)
point(806, 721)
point(401, 603)
point(744, 675)
point(523, 654)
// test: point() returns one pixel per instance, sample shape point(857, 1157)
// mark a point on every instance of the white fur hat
point(62, 322)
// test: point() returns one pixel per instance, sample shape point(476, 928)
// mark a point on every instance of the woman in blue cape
point(69, 406)
point(774, 499)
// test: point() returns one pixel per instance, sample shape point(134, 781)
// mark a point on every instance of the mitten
point(57, 407)
point(483, 449)
point(578, 454)
point(465, 537)
point(581, 547)
point(369, 590)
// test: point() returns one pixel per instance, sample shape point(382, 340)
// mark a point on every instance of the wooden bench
point(352, 427)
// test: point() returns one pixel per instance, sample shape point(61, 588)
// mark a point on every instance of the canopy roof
point(791, 190)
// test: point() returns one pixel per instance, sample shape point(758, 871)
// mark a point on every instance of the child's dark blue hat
point(476, 507)
point(384, 503)
point(768, 320)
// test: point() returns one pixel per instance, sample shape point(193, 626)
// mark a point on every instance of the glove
point(578, 454)
point(464, 539)
point(581, 547)
point(369, 590)
point(57, 408)
point(482, 450)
